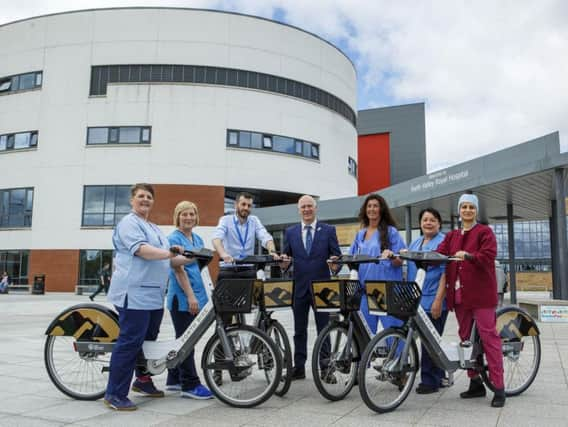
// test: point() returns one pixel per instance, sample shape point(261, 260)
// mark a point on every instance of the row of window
point(102, 75)
point(268, 142)
point(18, 141)
point(20, 82)
point(118, 135)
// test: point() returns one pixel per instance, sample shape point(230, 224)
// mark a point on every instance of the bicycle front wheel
point(386, 376)
point(254, 372)
point(278, 334)
point(82, 376)
point(334, 362)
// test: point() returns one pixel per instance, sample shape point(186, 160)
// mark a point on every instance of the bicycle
point(80, 341)
point(337, 350)
point(390, 361)
point(268, 296)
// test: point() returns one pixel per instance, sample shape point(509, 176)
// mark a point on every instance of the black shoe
point(476, 389)
point(498, 399)
point(218, 377)
point(91, 298)
point(298, 374)
point(426, 389)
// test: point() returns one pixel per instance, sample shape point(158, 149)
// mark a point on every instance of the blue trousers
point(136, 326)
point(186, 373)
point(431, 374)
point(301, 309)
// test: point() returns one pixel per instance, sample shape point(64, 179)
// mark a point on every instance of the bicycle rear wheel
point(334, 363)
point(521, 360)
point(278, 334)
point(82, 376)
point(253, 375)
point(385, 380)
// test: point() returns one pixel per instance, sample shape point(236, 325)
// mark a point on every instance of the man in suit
point(310, 243)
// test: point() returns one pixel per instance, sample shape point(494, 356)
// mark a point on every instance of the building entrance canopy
point(523, 182)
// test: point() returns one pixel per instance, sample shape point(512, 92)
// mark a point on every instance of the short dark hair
point(432, 211)
point(245, 195)
point(141, 186)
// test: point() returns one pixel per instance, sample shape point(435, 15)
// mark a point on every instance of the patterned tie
point(309, 238)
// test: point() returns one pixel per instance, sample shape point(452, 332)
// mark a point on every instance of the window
point(21, 82)
point(118, 135)
point(105, 205)
point(101, 75)
point(91, 262)
point(16, 207)
point(277, 143)
point(352, 167)
point(18, 141)
point(16, 264)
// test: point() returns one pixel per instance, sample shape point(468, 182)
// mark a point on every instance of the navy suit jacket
point(312, 266)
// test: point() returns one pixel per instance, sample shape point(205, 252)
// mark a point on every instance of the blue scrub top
point(383, 270)
point(142, 281)
point(433, 273)
point(193, 273)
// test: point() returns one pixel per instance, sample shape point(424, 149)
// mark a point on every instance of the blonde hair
point(182, 206)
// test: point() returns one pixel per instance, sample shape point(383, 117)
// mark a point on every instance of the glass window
point(3, 139)
point(256, 140)
point(283, 144)
point(307, 149)
point(299, 147)
point(91, 262)
point(27, 81)
point(266, 141)
point(145, 134)
point(16, 207)
point(244, 139)
point(97, 135)
point(113, 135)
point(16, 264)
point(129, 135)
point(233, 137)
point(18, 141)
point(105, 205)
point(10, 142)
point(315, 151)
point(22, 140)
point(5, 85)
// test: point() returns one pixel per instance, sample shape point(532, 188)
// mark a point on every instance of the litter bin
point(38, 287)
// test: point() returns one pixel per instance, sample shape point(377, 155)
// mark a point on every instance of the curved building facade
point(199, 103)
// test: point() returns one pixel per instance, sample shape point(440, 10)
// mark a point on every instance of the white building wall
point(189, 122)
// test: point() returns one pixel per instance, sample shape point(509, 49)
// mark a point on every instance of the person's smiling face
point(142, 203)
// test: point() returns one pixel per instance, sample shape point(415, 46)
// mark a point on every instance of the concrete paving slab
point(29, 398)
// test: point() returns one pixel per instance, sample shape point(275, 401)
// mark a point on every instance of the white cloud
point(492, 74)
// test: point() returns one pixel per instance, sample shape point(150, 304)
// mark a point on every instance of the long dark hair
point(386, 219)
point(434, 213)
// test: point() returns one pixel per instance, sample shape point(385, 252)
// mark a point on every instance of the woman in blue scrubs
point(378, 237)
point(186, 297)
point(138, 284)
point(433, 294)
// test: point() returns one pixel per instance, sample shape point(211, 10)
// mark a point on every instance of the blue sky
point(492, 74)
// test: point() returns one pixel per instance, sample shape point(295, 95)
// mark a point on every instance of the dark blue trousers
point(301, 309)
point(186, 373)
point(430, 374)
point(136, 326)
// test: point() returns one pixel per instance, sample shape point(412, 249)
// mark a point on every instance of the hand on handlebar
point(387, 254)
point(332, 264)
point(463, 255)
point(176, 250)
point(228, 259)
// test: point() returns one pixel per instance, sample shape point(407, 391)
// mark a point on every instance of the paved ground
point(29, 399)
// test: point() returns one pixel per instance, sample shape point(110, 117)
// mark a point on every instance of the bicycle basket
point(278, 293)
point(336, 295)
point(233, 296)
point(399, 299)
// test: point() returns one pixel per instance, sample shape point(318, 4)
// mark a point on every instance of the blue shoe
point(173, 387)
point(147, 388)
point(200, 392)
point(118, 404)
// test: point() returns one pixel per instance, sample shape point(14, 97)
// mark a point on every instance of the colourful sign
point(554, 313)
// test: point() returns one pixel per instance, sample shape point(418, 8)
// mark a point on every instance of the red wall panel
point(373, 162)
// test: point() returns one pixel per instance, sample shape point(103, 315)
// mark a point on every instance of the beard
point(242, 213)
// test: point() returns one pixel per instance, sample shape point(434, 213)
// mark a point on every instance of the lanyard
point(240, 236)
